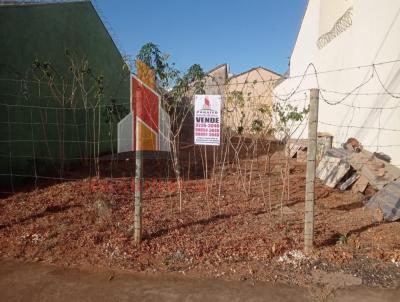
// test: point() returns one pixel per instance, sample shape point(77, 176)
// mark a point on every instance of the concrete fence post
point(310, 176)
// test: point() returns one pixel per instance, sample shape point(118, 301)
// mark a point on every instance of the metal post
point(310, 176)
point(138, 196)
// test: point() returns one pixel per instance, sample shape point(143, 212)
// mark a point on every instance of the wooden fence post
point(310, 176)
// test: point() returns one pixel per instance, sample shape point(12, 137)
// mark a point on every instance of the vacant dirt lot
point(232, 235)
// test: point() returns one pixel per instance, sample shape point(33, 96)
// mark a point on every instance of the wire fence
point(234, 106)
point(258, 169)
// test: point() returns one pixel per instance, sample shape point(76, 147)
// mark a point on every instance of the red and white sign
point(207, 119)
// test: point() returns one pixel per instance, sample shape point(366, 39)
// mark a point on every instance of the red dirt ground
point(88, 223)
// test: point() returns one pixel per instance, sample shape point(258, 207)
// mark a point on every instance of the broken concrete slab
point(352, 179)
point(337, 152)
point(382, 156)
point(360, 185)
point(332, 167)
point(378, 172)
point(376, 181)
point(324, 143)
point(387, 200)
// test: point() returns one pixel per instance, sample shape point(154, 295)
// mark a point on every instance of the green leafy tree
point(166, 73)
point(287, 119)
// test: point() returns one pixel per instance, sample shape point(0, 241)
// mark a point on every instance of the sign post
point(145, 105)
point(207, 120)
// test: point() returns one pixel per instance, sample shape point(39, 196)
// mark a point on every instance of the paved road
point(37, 282)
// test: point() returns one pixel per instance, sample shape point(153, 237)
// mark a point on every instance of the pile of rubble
point(354, 167)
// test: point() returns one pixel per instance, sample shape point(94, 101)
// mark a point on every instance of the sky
point(241, 33)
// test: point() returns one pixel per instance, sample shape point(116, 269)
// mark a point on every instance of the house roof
point(252, 69)
point(218, 67)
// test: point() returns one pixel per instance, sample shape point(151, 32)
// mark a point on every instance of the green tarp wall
point(48, 116)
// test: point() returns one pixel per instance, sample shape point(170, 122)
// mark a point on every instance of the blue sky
point(242, 33)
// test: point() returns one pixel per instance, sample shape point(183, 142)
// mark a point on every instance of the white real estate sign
point(207, 119)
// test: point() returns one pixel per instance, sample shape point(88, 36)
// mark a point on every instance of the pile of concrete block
point(357, 168)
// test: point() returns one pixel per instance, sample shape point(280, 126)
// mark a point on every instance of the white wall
point(373, 37)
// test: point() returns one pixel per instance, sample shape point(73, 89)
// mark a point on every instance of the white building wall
point(372, 38)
